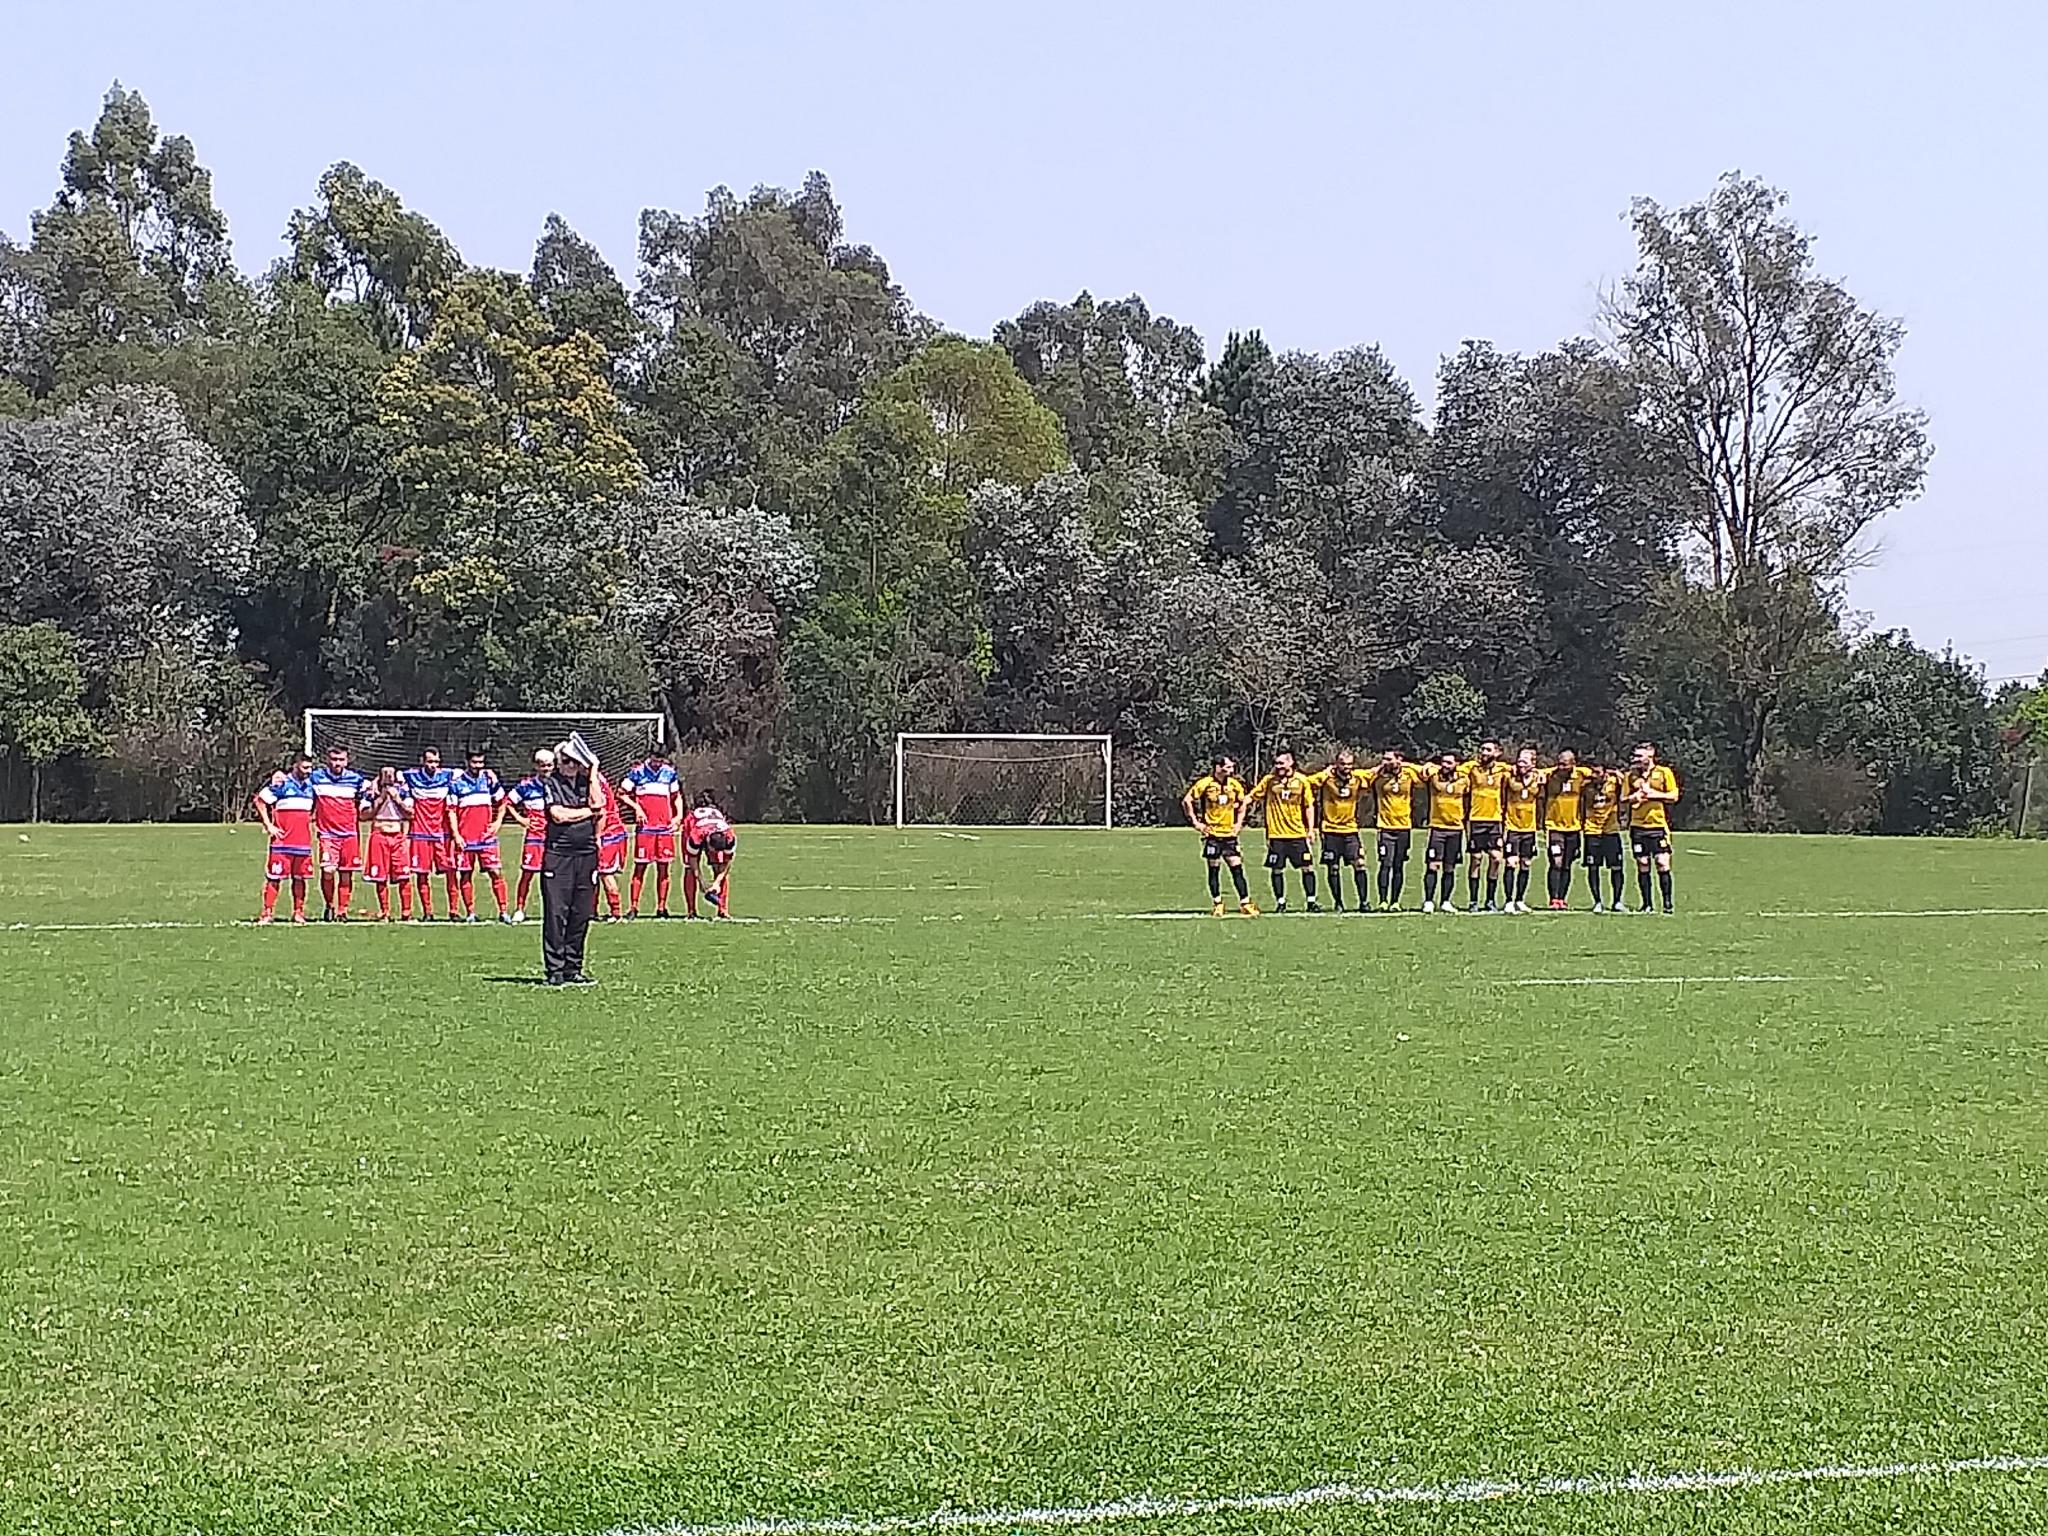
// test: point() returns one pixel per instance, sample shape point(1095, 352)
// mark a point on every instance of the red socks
point(270, 896)
point(498, 892)
point(690, 889)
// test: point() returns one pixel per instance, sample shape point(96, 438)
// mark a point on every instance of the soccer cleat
point(300, 918)
point(1598, 908)
point(1429, 906)
point(471, 918)
point(265, 920)
point(1280, 904)
point(663, 913)
point(1248, 908)
point(1667, 909)
point(507, 918)
point(1312, 905)
point(1216, 907)
point(519, 914)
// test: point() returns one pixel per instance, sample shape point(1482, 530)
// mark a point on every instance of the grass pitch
point(994, 1196)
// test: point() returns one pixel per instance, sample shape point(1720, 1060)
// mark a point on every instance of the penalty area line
point(1355, 1495)
point(1658, 981)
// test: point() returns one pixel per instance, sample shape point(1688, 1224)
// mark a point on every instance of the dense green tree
point(1771, 391)
point(1544, 458)
point(42, 717)
point(359, 245)
point(577, 290)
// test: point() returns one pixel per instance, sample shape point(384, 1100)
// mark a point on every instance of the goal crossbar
point(1006, 779)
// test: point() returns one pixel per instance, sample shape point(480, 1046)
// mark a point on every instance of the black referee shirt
point(570, 836)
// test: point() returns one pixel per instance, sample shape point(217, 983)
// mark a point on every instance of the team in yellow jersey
point(1494, 803)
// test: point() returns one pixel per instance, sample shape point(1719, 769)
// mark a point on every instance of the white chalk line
point(1657, 981)
point(1356, 1495)
point(1923, 912)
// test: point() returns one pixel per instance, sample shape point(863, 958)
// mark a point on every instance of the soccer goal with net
point(1003, 781)
point(394, 738)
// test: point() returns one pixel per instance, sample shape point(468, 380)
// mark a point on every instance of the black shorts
point(1283, 851)
point(1603, 850)
point(1648, 842)
point(1220, 848)
point(1483, 837)
point(1394, 846)
point(1341, 848)
point(1564, 846)
point(1522, 846)
point(1446, 845)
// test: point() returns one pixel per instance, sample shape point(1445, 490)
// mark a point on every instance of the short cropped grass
point(995, 1195)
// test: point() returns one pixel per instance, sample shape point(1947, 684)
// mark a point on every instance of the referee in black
point(568, 872)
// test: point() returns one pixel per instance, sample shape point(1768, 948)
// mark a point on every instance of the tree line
point(759, 491)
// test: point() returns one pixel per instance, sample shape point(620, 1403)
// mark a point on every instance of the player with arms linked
point(428, 786)
point(1652, 791)
point(651, 788)
point(1448, 786)
point(389, 809)
point(529, 802)
point(1288, 797)
point(337, 824)
point(477, 797)
point(285, 807)
point(1486, 839)
point(1215, 806)
point(1339, 789)
point(1393, 786)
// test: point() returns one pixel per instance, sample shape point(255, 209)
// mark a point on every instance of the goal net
point(1002, 781)
point(394, 738)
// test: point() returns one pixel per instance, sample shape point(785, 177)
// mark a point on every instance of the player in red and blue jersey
point(477, 799)
point(611, 843)
point(707, 835)
point(337, 824)
point(429, 849)
point(285, 807)
point(530, 802)
point(655, 794)
point(388, 862)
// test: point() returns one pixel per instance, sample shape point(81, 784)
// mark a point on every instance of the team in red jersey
point(428, 843)
point(476, 800)
point(529, 802)
point(387, 806)
point(709, 837)
point(285, 807)
point(652, 790)
point(429, 820)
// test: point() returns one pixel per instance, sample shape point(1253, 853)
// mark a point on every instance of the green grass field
point(990, 1196)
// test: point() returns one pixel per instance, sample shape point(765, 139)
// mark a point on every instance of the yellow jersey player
point(1216, 804)
point(1447, 786)
point(1602, 813)
point(1393, 787)
point(1484, 833)
point(1339, 789)
point(1652, 790)
point(1288, 798)
point(1520, 797)
point(1563, 787)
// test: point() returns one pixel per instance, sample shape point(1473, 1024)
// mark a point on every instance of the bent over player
point(1215, 806)
point(1290, 806)
point(707, 835)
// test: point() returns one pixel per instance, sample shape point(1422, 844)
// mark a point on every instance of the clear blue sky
point(1331, 173)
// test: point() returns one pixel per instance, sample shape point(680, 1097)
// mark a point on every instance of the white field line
point(1924, 912)
point(1354, 1495)
point(1654, 981)
point(948, 887)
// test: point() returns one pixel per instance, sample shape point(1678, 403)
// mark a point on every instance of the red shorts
point(532, 856)
point(485, 857)
point(288, 866)
point(611, 855)
point(388, 859)
point(716, 856)
point(654, 847)
point(430, 856)
point(344, 854)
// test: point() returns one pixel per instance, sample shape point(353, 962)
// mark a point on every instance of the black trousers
point(568, 901)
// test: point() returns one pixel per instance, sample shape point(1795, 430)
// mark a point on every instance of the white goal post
point(961, 779)
point(394, 738)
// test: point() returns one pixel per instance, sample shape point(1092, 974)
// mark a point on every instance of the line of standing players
point(430, 820)
point(1495, 804)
